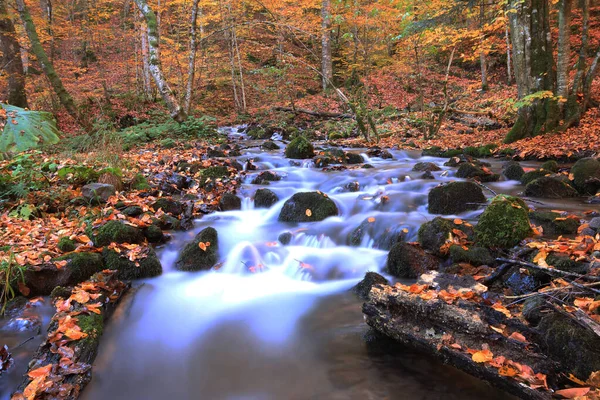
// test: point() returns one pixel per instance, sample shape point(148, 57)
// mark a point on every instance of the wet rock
point(308, 207)
point(354, 158)
point(265, 198)
point(513, 171)
point(154, 234)
point(533, 175)
point(470, 170)
point(300, 148)
point(427, 175)
point(426, 167)
point(285, 238)
point(133, 211)
point(215, 153)
point(80, 266)
point(409, 261)
point(553, 223)
point(521, 281)
point(322, 161)
point(148, 267)
point(194, 258)
point(549, 187)
point(265, 177)
point(433, 234)
point(174, 183)
point(236, 164)
point(550, 165)
point(565, 263)
point(169, 206)
point(117, 232)
point(595, 224)
point(575, 347)
point(66, 245)
point(168, 222)
point(533, 309)
point(586, 175)
point(371, 279)
point(351, 187)
point(139, 182)
point(504, 223)
point(386, 155)
point(96, 193)
point(270, 145)
point(473, 255)
point(455, 197)
point(210, 174)
point(230, 201)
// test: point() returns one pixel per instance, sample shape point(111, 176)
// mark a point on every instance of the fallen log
point(319, 114)
point(61, 367)
point(466, 334)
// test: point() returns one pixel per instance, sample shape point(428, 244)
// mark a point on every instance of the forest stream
point(279, 321)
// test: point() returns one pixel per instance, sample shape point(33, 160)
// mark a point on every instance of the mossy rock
point(265, 177)
point(470, 170)
point(212, 173)
point(576, 348)
point(514, 171)
point(553, 223)
point(139, 182)
point(455, 197)
point(229, 202)
point(66, 245)
point(154, 234)
point(549, 187)
point(550, 165)
point(586, 175)
point(169, 206)
point(308, 207)
point(354, 158)
point(425, 167)
point(60, 291)
point(194, 258)
point(433, 234)
point(300, 148)
point(133, 211)
point(566, 263)
point(167, 222)
point(93, 325)
point(473, 255)
point(148, 267)
point(336, 136)
point(409, 261)
point(533, 175)
point(504, 223)
point(363, 288)
point(265, 198)
point(270, 145)
point(117, 232)
point(82, 265)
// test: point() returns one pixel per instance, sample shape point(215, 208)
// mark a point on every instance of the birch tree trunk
point(189, 90)
point(564, 48)
point(154, 66)
point(508, 58)
point(146, 79)
point(533, 61)
point(11, 61)
point(36, 48)
point(326, 61)
point(482, 58)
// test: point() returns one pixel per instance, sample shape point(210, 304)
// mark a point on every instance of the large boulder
point(586, 175)
point(549, 187)
point(300, 148)
point(308, 207)
point(455, 197)
point(201, 254)
point(97, 193)
point(265, 198)
point(147, 267)
point(230, 201)
point(371, 279)
point(409, 261)
point(504, 223)
point(117, 232)
point(79, 267)
point(553, 223)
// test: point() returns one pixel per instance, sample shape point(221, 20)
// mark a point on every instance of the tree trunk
point(11, 59)
point(508, 58)
point(36, 48)
point(564, 49)
point(146, 79)
point(189, 91)
point(533, 61)
point(482, 58)
point(326, 62)
point(177, 113)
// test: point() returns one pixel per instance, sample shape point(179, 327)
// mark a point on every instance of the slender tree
point(11, 62)
point(154, 65)
point(189, 90)
point(564, 48)
point(326, 61)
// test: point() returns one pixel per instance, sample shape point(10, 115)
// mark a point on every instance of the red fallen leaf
point(572, 392)
point(518, 337)
point(40, 372)
point(93, 308)
point(23, 289)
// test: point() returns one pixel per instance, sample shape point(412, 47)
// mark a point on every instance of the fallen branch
point(550, 271)
point(320, 114)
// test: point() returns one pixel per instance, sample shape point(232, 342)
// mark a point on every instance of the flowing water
point(292, 330)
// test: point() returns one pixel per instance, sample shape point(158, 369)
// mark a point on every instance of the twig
point(550, 271)
point(498, 272)
point(487, 188)
point(558, 289)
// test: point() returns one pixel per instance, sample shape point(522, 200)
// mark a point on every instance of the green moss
point(550, 165)
point(60, 291)
point(550, 224)
point(584, 170)
point(213, 173)
point(335, 136)
point(504, 223)
point(154, 234)
point(117, 232)
point(139, 182)
point(66, 245)
point(148, 267)
point(308, 207)
point(168, 143)
point(565, 263)
point(300, 148)
point(474, 255)
point(455, 197)
point(433, 234)
point(82, 265)
point(514, 172)
point(93, 325)
point(533, 175)
point(193, 258)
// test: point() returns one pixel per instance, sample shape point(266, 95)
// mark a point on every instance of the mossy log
point(446, 331)
point(69, 350)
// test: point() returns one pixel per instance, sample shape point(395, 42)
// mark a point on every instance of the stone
point(455, 197)
point(308, 207)
point(195, 258)
point(549, 187)
point(265, 198)
point(97, 193)
point(409, 261)
point(504, 223)
point(229, 202)
point(363, 287)
point(300, 148)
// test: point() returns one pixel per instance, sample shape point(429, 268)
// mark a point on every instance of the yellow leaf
point(308, 212)
point(483, 356)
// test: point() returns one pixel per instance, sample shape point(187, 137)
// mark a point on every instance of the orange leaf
point(370, 220)
point(572, 392)
point(518, 337)
point(483, 356)
point(308, 212)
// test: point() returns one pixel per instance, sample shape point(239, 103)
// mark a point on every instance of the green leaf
point(26, 129)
